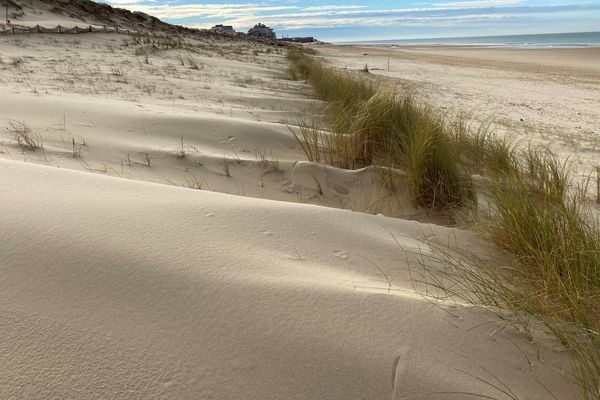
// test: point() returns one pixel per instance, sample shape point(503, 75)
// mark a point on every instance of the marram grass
point(536, 212)
point(377, 127)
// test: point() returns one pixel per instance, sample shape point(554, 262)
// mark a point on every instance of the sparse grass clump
point(181, 153)
point(147, 156)
point(226, 169)
point(194, 64)
point(75, 149)
point(24, 136)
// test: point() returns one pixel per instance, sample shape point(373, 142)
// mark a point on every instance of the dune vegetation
point(371, 126)
point(534, 208)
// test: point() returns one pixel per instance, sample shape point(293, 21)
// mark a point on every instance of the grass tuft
point(382, 128)
point(24, 135)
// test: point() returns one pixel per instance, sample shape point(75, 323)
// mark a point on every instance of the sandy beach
point(162, 235)
point(548, 96)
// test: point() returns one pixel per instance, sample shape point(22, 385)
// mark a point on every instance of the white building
point(222, 28)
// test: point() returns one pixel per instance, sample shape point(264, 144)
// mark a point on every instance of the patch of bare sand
point(111, 288)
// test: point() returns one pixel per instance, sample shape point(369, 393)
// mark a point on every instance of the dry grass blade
point(24, 135)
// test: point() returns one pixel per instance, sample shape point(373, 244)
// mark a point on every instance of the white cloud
point(332, 7)
point(480, 3)
point(292, 15)
point(201, 10)
point(316, 22)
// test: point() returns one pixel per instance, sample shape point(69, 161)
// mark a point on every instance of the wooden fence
point(9, 30)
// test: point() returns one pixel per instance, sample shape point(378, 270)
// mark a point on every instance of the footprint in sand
point(341, 254)
point(230, 139)
point(297, 256)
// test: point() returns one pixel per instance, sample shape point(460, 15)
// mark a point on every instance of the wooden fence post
point(598, 184)
point(59, 29)
point(90, 28)
point(38, 29)
point(13, 29)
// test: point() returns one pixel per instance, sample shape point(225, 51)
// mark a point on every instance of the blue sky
point(348, 20)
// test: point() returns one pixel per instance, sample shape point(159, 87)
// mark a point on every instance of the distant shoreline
point(470, 46)
point(564, 61)
point(542, 41)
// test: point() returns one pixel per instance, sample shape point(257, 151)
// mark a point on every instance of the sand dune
point(124, 274)
point(120, 289)
point(160, 121)
point(71, 13)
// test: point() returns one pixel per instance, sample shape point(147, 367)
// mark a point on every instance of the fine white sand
point(233, 113)
point(120, 289)
point(120, 279)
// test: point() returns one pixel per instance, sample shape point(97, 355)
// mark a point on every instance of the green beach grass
point(537, 212)
point(376, 127)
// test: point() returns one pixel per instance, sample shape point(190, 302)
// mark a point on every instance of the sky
point(354, 20)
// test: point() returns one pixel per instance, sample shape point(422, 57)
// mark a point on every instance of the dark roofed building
point(262, 31)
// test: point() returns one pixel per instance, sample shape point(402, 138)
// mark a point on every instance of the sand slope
point(161, 120)
point(71, 13)
point(127, 290)
point(119, 282)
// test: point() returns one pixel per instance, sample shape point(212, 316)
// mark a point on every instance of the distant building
point(308, 39)
point(222, 28)
point(262, 31)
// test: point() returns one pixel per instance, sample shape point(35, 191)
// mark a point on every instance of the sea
point(552, 40)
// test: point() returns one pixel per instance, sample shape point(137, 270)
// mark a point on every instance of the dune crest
point(121, 289)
